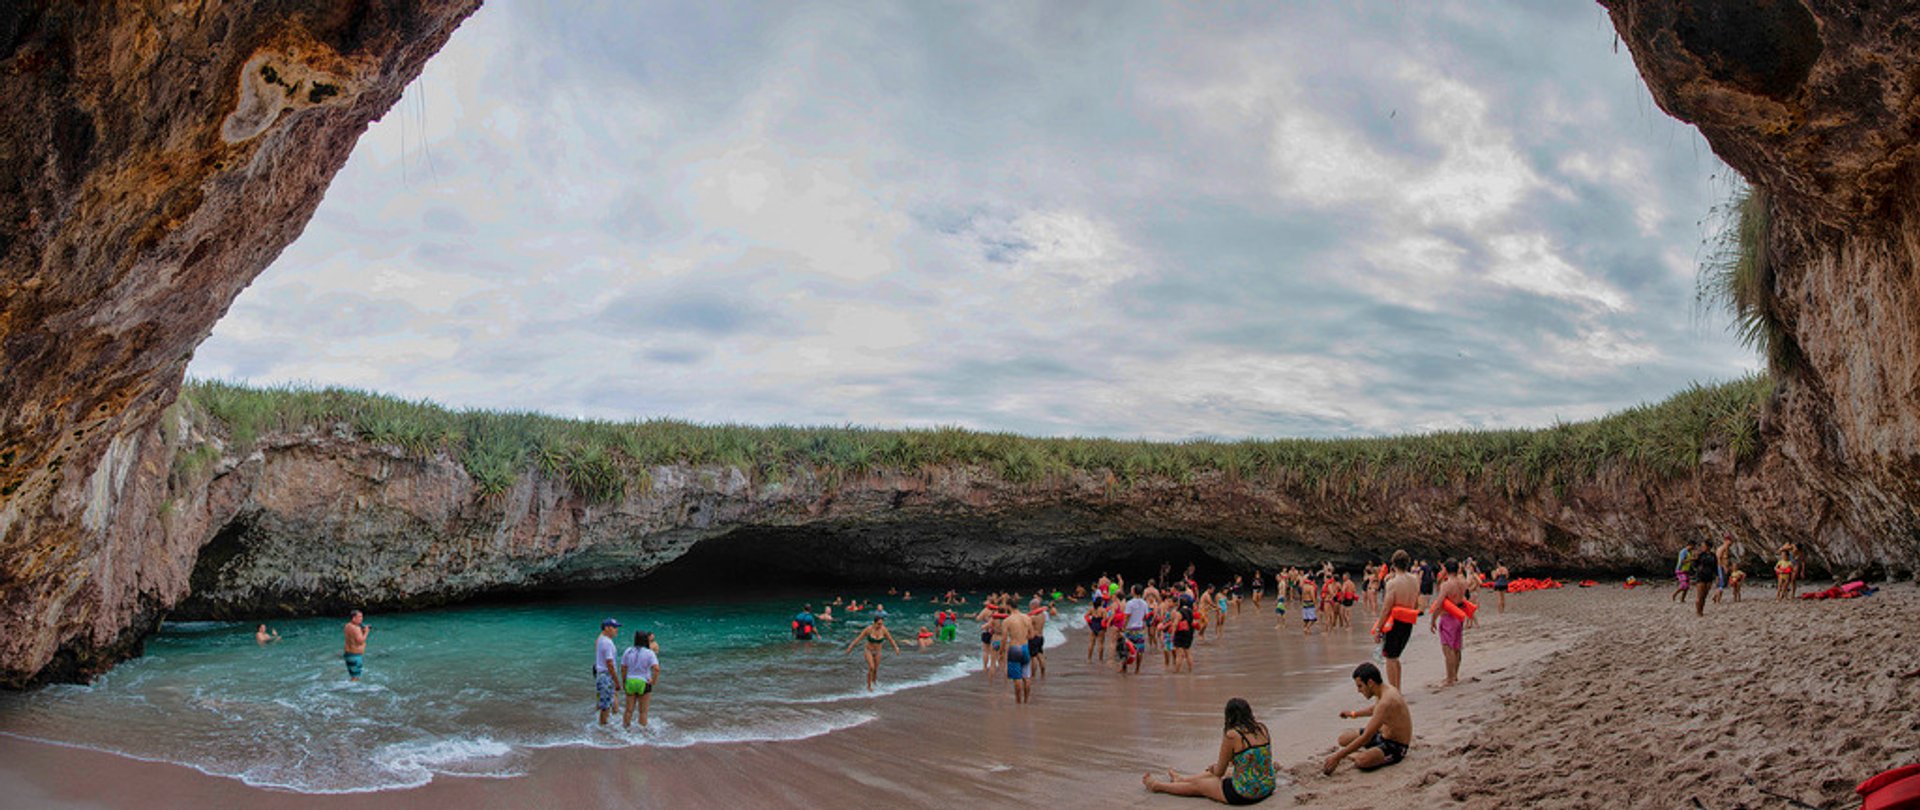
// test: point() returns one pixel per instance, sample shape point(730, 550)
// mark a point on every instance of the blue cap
point(610, 623)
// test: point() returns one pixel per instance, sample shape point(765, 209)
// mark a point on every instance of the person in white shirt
point(603, 666)
point(639, 673)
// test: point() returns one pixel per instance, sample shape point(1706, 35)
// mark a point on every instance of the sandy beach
point(1573, 698)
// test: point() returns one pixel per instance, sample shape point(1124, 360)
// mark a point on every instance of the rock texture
point(321, 521)
point(1818, 104)
point(155, 158)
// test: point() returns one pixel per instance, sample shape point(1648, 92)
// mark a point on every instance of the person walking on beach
point(356, 653)
point(1309, 610)
point(263, 636)
point(1500, 584)
point(1453, 590)
point(1136, 630)
point(1680, 570)
point(1246, 748)
point(1720, 558)
point(1018, 627)
point(1400, 610)
point(1795, 568)
point(1428, 575)
point(604, 667)
point(874, 635)
point(1388, 734)
point(1706, 571)
point(639, 674)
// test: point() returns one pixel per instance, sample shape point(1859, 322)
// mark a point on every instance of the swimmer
point(874, 635)
point(1038, 612)
point(355, 656)
point(1246, 747)
point(1388, 734)
point(925, 637)
point(1452, 589)
point(263, 636)
point(639, 675)
point(1402, 595)
point(1016, 626)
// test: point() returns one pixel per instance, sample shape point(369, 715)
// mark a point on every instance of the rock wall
point(154, 158)
point(320, 521)
point(1818, 103)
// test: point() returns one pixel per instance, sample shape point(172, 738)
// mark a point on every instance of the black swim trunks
point(1396, 639)
point(1183, 639)
point(1394, 751)
point(1037, 645)
point(986, 637)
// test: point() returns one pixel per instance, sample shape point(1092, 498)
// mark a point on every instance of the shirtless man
point(1017, 628)
point(355, 656)
point(1037, 640)
point(1309, 612)
point(263, 636)
point(1452, 589)
point(1385, 739)
point(874, 635)
point(1402, 591)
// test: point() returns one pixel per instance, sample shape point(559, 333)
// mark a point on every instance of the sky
point(1154, 220)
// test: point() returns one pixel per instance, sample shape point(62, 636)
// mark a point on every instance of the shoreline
point(1535, 721)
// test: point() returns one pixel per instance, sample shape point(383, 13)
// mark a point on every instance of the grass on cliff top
point(604, 461)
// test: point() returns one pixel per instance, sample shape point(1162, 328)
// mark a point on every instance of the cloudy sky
point(1162, 220)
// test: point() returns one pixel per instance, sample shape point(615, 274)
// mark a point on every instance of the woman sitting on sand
point(1246, 747)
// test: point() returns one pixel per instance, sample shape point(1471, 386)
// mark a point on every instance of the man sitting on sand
point(1388, 734)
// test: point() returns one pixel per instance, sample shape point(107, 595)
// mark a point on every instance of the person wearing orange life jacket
point(1448, 617)
point(1399, 611)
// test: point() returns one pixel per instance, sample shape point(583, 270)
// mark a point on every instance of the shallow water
point(472, 690)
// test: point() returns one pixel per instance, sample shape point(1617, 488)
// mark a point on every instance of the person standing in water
point(1246, 747)
point(639, 674)
point(263, 636)
point(1037, 641)
point(356, 653)
point(604, 653)
point(874, 635)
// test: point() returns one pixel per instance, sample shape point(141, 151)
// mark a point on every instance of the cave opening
point(773, 559)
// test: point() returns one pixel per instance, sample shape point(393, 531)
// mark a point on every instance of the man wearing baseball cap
point(603, 655)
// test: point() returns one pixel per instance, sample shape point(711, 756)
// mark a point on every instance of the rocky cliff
point(321, 519)
point(1818, 104)
point(155, 157)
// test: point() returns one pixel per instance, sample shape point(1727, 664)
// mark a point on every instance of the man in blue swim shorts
point(355, 656)
point(604, 667)
point(1018, 625)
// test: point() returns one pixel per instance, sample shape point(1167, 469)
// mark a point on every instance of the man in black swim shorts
point(1388, 733)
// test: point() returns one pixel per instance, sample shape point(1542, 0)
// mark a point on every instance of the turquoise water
point(470, 690)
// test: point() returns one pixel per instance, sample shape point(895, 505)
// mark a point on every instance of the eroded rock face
point(1818, 104)
point(154, 158)
point(322, 522)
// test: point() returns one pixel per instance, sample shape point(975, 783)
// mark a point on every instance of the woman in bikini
point(1245, 747)
point(874, 635)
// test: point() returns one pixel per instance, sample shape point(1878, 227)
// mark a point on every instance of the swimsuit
point(1252, 774)
point(355, 662)
point(1396, 639)
point(1393, 749)
point(638, 686)
point(603, 689)
point(1450, 631)
point(1017, 663)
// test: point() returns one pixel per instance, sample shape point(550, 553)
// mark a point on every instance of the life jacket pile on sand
point(1851, 590)
point(1524, 584)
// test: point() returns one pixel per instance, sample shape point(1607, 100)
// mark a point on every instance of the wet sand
point(1551, 712)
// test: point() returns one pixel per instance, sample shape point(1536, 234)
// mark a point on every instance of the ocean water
point(471, 690)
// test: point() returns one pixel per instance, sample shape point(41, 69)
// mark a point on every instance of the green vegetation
point(1738, 276)
point(603, 461)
